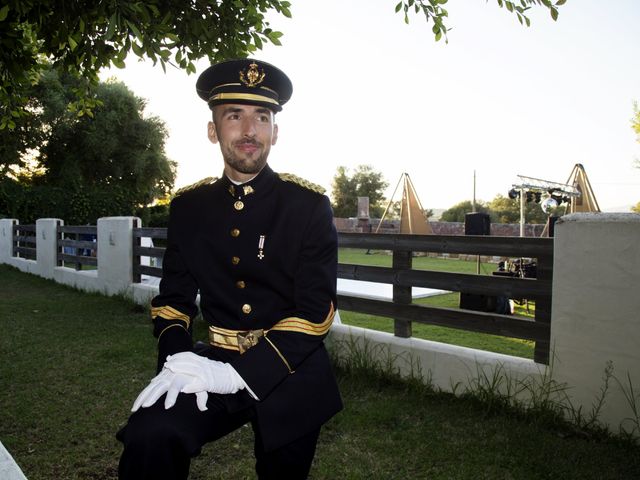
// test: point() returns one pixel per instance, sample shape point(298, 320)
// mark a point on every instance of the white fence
point(595, 323)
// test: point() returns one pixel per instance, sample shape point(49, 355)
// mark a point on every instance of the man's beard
point(251, 165)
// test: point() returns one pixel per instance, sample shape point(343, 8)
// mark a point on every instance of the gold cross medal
point(261, 247)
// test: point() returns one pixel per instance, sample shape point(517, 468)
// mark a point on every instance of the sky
point(498, 99)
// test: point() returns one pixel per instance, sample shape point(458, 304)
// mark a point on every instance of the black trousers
point(159, 443)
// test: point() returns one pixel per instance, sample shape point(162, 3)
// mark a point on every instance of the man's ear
point(212, 133)
point(275, 134)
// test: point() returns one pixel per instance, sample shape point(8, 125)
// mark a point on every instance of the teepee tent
point(586, 202)
point(412, 217)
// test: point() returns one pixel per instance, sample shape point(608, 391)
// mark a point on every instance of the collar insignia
point(247, 189)
point(252, 77)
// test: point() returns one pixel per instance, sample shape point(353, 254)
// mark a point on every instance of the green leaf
point(554, 13)
point(398, 7)
point(72, 43)
point(137, 49)
point(4, 11)
point(274, 37)
point(118, 63)
point(134, 29)
point(560, 2)
point(111, 28)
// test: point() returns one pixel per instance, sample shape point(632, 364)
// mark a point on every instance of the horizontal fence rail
point(24, 241)
point(77, 244)
point(403, 277)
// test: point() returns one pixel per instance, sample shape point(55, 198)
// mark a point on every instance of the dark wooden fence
point(81, 240)
point(402, 276)
point(24, 241)
point(158, 236)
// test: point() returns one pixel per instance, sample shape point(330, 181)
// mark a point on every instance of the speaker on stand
point(477, 224)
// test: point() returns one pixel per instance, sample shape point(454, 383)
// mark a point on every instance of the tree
point(501, 210)
point(507, 210)
point(434, 11)
point(112, 163)
point(365, 182)
point(635, 121)
point(81, 38)
point(118, 147)
point(635, 125)
point(459, 210)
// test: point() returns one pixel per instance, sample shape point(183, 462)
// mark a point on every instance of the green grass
point(71, 364)
point(383, 259)
point(482, 341)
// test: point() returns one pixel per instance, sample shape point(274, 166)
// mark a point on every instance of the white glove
point(170, 383)
point(208, 375)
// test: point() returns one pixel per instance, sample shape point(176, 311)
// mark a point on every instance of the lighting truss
point(553, 188)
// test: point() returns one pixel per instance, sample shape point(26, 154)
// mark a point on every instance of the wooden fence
point(24, 241)
point(402, 276)
point(76, 239)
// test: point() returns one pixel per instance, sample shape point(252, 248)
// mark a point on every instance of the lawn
point(71, 364)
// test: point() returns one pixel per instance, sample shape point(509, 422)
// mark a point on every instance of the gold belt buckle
point(248, 339)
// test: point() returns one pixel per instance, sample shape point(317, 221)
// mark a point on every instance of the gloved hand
point(170, 383)
point(209, 375)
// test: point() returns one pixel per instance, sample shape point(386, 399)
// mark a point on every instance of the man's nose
point(248, 127)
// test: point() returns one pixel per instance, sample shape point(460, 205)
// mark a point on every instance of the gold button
point(240, 284)
point(238, 205)
point(235, 260)
point(235, 232)
point(246, 308)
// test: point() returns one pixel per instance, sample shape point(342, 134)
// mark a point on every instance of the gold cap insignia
point(252, 77)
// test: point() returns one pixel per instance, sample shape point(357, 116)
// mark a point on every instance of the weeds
point(540, 399)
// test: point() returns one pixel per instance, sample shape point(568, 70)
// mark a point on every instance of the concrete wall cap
point(600, 217)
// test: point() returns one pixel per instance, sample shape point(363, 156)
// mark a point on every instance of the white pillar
point(115, 253)
point(595, 310)
point(47, 245)
point(6, 238)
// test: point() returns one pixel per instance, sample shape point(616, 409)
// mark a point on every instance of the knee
point(155, 430)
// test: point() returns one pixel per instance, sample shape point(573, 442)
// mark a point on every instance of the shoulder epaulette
point(199, 183)
point(289, 177)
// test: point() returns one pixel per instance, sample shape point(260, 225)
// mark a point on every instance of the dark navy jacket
point(262, 255)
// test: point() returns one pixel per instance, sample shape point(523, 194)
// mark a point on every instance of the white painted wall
point(596, 308)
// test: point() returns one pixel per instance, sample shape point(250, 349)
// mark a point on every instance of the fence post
point(402, 295)
point(6, 238)
point(47, 245)
point(115, 253)
point(544, 273)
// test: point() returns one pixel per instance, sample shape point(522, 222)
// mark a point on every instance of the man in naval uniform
point(261, 250)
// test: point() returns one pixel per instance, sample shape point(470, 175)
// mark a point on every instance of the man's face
point(245, 134)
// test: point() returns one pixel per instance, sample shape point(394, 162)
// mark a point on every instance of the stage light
point(513, 194)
